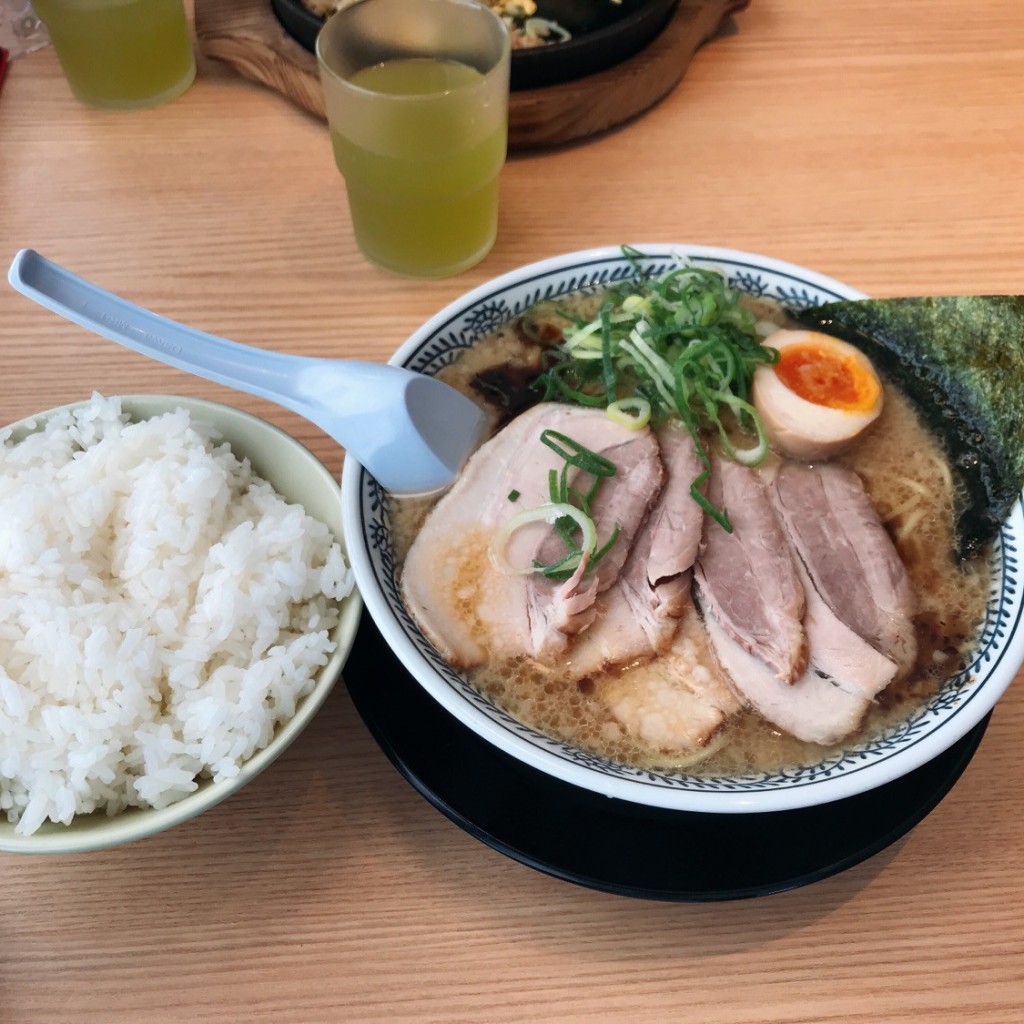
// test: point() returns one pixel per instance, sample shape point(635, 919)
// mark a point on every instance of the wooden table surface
point(879, 142)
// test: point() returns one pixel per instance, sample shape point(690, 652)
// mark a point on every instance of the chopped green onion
point(556, 389)
point(576, 454)
point(563, 496)
point(680, 342)
point(550, 513)
point(513, 495)
point(634, 413)
point(607, 362)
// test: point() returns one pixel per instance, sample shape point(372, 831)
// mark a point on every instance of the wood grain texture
point(878, 142)
point(246, 35)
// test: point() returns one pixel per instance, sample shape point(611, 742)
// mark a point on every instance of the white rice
point(162, 610)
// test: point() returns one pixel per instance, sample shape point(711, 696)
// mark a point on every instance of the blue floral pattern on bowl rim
point(961, 703)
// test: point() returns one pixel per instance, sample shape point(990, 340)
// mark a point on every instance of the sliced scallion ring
point(550, 513)
point(634, 413)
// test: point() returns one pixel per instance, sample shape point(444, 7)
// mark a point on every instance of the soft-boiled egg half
point(819, 397)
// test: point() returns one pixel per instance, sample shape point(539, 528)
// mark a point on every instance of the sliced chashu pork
point(748, 577)
point(676, 521)
point(836, 651)
point(844, 672)
point(638, 616)
point(812, 708)
point(681, 706)
point(463, 601)
point(623, 501)
point(849, 556)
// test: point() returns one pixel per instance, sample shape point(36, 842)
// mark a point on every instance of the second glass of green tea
point(416, 94)
point(121, 54)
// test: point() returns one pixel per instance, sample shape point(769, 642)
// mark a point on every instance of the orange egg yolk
point(823, 376)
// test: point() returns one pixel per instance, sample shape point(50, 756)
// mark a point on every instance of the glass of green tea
point(416, 94)
point(121, 54)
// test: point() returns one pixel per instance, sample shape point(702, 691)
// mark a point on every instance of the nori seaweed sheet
point(961, 361)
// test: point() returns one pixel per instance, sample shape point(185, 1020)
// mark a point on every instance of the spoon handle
point(263, 373)
point(411, 431)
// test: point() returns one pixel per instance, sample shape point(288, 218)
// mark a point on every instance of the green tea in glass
point(417, 101)
point(121, 53)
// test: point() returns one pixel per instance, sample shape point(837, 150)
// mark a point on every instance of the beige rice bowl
point(163, 610)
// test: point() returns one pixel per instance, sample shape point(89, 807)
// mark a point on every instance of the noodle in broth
point(908, 479)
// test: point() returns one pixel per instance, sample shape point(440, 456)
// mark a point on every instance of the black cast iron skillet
point(603, 34)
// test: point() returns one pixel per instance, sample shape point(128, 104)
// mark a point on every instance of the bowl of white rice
point(175, 606)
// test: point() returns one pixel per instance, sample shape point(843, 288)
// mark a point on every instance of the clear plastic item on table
point(21, 31)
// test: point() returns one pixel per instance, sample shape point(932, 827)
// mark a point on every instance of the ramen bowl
point(961, 704)
point(300, 479)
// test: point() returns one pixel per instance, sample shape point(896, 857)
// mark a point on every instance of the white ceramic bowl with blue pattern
point(960, 705)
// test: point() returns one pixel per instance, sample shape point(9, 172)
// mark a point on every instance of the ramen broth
point(907, 478)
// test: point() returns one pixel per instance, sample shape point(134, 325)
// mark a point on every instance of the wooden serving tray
point(246, 35)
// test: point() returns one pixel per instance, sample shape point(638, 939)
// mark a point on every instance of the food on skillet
point(526, 29)
point(645, 566)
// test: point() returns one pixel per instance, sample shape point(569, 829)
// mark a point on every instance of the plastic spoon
point(412, 432)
